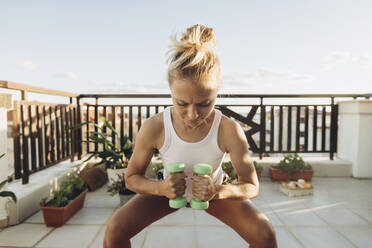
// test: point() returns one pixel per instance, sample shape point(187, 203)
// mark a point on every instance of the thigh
point(241, 215)
point(139, 212)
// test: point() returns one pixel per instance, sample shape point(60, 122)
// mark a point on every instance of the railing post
point(80, 131)
point(333, 136)
point(263, 129)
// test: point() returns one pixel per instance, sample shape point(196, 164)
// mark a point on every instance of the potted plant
point(64, 202)
point(291, 167)
point(115, 160)
point(118, 188)
point(232, 177)
point(4, 193)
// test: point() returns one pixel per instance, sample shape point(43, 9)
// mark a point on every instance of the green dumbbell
point(201, 170)
point(178, 202)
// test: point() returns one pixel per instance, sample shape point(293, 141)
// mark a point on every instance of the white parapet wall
point(355, 136)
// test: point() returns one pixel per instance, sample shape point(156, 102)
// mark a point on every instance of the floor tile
point(339, 215)
point(285, 238)
point(102, 201)
point(23, 235)
point(136, 242)
point(320, 237)
point(299, 217)
point(36, 218)
point(365, 213)
point(204, 219)
point(71, 236)
point(218, 237)
point(361, 236)
point(183, 217)
point(86, 216)
point(167, 237)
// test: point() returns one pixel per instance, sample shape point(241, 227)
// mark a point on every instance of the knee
point(115, 234)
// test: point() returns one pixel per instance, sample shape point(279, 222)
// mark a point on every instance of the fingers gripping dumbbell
point(178, 202)
point(201, 170)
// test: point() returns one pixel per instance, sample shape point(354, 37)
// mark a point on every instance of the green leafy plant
point(2, 184)
point(293, 163)
point(257, 166)
point(112, 157)
point(118, 187)
point(232, 176)
point(69, 190)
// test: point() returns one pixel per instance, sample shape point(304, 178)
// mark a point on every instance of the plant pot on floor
point(58, 216)
point(94, 177)
point(277, 175)
point(306, 175)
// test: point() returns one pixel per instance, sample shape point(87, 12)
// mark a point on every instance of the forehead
point(192, 92)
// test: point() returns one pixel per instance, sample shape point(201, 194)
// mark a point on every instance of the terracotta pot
point(306, 175)
point(278, 176)
point(57, 216)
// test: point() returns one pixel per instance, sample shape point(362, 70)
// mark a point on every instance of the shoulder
point(152, 130)
point(231, 133)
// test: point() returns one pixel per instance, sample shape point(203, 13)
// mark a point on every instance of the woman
point(192, 131)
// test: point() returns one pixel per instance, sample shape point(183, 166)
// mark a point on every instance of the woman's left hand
point(203, 188)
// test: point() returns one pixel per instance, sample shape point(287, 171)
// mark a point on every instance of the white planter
point(113, 174)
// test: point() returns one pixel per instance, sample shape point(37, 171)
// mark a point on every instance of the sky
point(265, 47)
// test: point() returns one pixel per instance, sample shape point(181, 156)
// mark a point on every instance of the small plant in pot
point(291, 167)
point(64, 202)
point(3, 183)
point(232, 177)
point(118, 188)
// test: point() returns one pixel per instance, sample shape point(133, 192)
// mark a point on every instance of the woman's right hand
point(174, 185)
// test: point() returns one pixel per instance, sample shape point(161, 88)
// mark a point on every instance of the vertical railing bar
point(17, 141)
point(131, 123)
point(263, 130)
point(57, 119)
point(139, 117)
point(298, 113)
point(52, 143)
point(280, 128)
point(88, 128)
point(76, 132)
point(68, 131)
point(147, 112)
point(40, 138)
point(46, 137)
point(63, 129)
point(32, 138)
point(306, 145)
point(113, 135)
point(25, 169)
point(121, 127)
point(315, 128)
point(323, 128)
point(95, 127)
point(289, 134)
point(272, 129)
point(104, 127)
point(156, 109)
point(73, 141)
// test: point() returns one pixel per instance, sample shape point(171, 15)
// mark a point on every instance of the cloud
point(66, 75)
point(337, 58)
point(27, 65)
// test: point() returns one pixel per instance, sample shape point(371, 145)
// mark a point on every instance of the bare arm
point(135, 179)
point(247, 186)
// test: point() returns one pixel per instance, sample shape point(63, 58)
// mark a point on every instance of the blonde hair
point(193, 57)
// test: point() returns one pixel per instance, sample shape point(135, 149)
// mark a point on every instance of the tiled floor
point(339, 214)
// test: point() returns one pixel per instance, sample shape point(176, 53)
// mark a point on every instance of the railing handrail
point(367, 95)
point(35, 89)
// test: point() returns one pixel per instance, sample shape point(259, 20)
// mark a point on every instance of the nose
point(192, 113)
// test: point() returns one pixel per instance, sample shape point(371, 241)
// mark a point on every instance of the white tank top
point(207, 151)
